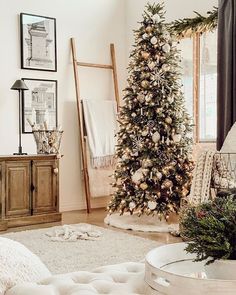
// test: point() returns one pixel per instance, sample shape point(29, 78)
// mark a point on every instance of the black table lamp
point(20, 86)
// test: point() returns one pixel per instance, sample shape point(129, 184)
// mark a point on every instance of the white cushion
point(123, 279)
point(19, 265)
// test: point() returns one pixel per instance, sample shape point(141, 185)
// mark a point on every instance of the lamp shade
point(19, 85)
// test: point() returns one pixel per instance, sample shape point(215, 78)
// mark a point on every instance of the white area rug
point(143, 223)
point(62, 257)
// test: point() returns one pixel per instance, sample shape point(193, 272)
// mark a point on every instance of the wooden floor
point(96, 218)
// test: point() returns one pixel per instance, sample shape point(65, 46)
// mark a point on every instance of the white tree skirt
point(143, 223)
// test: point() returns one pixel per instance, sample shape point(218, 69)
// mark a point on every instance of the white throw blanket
point(101, 125)
point(72, 233)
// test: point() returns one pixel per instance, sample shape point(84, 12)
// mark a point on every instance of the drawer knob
point(55, 171)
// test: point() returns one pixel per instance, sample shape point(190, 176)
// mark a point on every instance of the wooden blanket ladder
point(83, 138)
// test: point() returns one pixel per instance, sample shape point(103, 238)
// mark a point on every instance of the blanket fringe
point(103, 162)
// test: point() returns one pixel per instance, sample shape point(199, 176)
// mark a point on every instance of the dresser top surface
point(29, 157)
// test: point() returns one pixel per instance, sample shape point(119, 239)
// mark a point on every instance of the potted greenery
point(210, 230)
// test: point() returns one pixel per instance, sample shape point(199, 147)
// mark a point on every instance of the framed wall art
point(39, 104)
point(38, 42)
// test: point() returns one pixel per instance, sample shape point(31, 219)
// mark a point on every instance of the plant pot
point(221, 270)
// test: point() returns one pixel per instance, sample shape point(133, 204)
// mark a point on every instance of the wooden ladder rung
point(101, 66)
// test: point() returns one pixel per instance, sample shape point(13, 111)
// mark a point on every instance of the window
point(199, 72)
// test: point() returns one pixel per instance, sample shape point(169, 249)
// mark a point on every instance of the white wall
point(95, 24)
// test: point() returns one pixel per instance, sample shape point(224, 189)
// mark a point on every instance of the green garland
point(187, 27)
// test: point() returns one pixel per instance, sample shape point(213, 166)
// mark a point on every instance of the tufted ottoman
point(123, 279)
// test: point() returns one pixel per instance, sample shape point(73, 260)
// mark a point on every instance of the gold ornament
point(167, 184)
point(145, 84)
point(147, 163)
point(148, 29)
point(145, 54)
point(168, 120)
point(145, 133)
point(143, 186)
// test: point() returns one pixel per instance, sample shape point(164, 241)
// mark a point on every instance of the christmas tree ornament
point(156, 136)
point(123, 202)
point(152, 205)
point(156, 18)
point(154, 40)
point(137, 176)
point(143, 186)
point(167, 184)
point(141, 98)
point(165, 67)
point(151, 65)
point(145, 133)
point(145, 84)
point(166, 48)
point(145, 55)
point(146, 163)
point(148, 98)
point(148, 29)
point(168, 120)
point(159, 175)
point(176, 137)
point(132, 205)
point(157, 57)
point(133, 115)
point(166, 35)
point(145, 36)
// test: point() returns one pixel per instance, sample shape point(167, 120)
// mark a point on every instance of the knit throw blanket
point(200, 189)
point(101, 125)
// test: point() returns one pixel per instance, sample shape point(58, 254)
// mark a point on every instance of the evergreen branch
point(186, 27)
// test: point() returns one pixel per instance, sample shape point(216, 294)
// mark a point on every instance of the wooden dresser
point(29, 190)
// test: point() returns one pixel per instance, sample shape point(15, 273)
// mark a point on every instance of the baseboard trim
point(99, 202)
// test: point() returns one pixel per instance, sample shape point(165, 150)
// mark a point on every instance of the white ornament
point(154, 40)
point(137, 176)
point(159, 175)
point(145, 36)
point(166, 35)
point(176, 137)
point(156, 137)
point(183, 128)
point(156, 18)
point(151, 65)
point(132, 205)
point(166, 48)
point(152, 205)
point(133, 115)
point(141, 98)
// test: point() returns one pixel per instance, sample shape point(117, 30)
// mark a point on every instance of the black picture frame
point(44, 32)
point(47, 104)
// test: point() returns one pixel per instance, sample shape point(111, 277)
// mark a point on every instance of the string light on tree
point(155, 168)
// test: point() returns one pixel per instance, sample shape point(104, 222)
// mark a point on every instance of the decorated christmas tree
point(153, 170)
